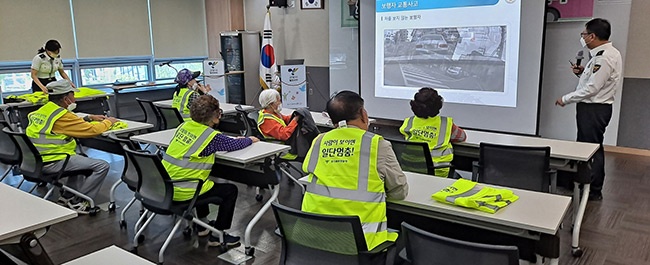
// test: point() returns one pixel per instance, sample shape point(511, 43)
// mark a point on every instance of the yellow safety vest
point(465, 193)
point(181, 101)
point(182, 158)
point(40, 133)
point(435, 131)
point(344, 181)
point(260, 120)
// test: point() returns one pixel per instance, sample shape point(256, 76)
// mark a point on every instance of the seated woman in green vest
point(428, 126)
point(191, 155)
point(187, 90)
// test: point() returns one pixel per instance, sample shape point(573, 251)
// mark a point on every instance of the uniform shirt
point(601, 76)
point(45, 66)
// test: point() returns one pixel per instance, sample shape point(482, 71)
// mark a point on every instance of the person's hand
point(578, 69)
point(112, 119)
point(255, 139)
point(559, 102)
point(205, 89)
point(97, 117)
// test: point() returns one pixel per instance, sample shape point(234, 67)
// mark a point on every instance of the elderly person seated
point(187, 90)
point(270, 122)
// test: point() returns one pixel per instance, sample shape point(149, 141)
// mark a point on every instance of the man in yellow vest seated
point(353, 171)
point(429, 127)
point(191, 155)
point(53, 127)
point(187, 90)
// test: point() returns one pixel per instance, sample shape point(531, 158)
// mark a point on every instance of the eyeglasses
point(584, 33)
point(220, 112)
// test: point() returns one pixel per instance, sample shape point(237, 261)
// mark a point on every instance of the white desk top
point(226, 107)
point(23, 212)
point(132, 126)
point(559, 148)
point(249, 154)
point(534, 211)
point(109, 256)
point(27, 103)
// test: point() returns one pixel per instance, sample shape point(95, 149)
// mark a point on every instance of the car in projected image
point(431, 43)
point(454, 71)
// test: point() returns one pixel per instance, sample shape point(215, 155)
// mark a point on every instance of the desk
point(565, 155)
point(226, 107)
point(228, 164)
point(27, 214)
point(16, 113)
point(534, 211)
point(110, 256)
point(131, 126)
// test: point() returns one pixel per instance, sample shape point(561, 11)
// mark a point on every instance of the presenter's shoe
point(231, 241)
point(595, 196)
point(202, 231)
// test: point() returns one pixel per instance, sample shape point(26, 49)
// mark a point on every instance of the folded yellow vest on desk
point(116, 126)
point(465, 193)
point(40, 98)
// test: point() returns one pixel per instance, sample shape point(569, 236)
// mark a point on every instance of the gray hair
point(268, 97)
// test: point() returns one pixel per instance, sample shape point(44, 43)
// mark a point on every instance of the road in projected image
point(460, 58)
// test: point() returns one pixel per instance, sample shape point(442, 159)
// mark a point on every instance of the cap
point(185, 75)
point(60, 87)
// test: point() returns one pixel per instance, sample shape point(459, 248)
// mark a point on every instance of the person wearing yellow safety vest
point(270, 122)
point(353, 171)
point(53, 127)
point(191, 155)
point(429, 127)
point(187, 90)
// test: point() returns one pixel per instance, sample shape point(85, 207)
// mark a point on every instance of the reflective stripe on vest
point(181, 101)
point(352, 187)
point(182, 158)
point(263, 116)
point(40, 133)
point(441, 150)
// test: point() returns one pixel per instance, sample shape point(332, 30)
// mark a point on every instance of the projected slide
point(459, 47)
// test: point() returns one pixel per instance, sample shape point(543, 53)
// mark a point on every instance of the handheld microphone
point(579, 57)
point(164, 63)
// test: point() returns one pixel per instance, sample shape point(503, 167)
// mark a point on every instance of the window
point(166, 72)
point(21, 81)
point(109, 75)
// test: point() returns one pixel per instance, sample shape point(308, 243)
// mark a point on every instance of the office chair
point(416, 157)
point(155, 191)
point(171, 118)
point(9, 154)
point(522, 167)
point(309, 238)
point(151, 114)
point(129, 176)
point(422, 247)
point(32, 168)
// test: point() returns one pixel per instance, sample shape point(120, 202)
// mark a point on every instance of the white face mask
point(72, 106)
point(279, 108)
point(583, 42)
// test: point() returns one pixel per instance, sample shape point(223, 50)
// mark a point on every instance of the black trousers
point(228, 193)
point(592, 119)
point(44, 81)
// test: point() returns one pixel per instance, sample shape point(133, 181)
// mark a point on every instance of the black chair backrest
point(31, 164)
point(413, 156)
point(155, 190)
point(170, 116)
point(309, 238)
point(9, 154)
point(129, 173)
point(151, 115)
point(249, 119)
point(522, 167)
point(426, 248)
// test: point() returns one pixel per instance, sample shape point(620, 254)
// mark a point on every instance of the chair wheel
point(249, 251)
point(122, 224)
point(140, 239)
point(259, 197)
point(93, 211)
point(576, 252)
point(111, 207)
point(187, 232)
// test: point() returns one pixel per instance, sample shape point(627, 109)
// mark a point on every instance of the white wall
point(343, 52)
point(297, 33)
point(562, 43)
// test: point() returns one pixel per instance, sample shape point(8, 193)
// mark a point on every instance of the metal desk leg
point(579, 205)
point(248, 249)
